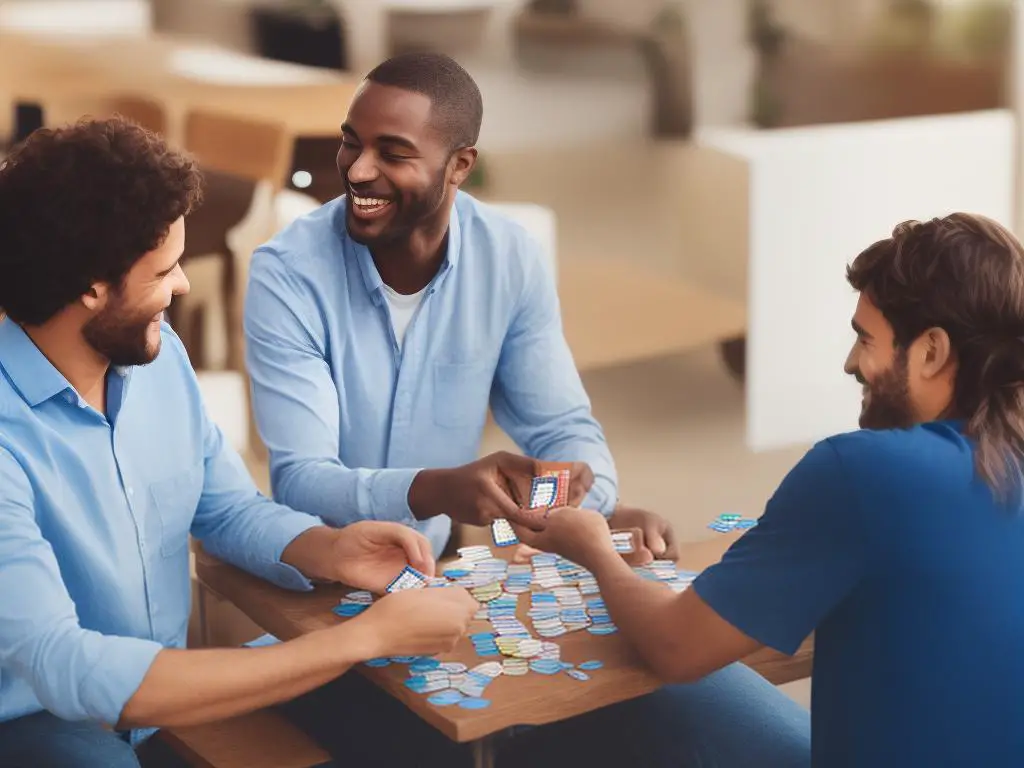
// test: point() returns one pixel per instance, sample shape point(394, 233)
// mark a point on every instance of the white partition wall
point(817, 197)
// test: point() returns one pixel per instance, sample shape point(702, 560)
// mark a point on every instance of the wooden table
point(530, 700)
point(56, 69)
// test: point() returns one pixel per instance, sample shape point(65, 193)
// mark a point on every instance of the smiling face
point(902, 385)
point(399, 171)
point(125, 326)
point(881, 368)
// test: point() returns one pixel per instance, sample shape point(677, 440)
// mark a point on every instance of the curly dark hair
point(963, 273)
point(81, 204)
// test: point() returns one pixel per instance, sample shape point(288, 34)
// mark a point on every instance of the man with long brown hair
point(899, 545)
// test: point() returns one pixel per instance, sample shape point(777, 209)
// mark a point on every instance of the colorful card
point(502, 533)
point(409, 578)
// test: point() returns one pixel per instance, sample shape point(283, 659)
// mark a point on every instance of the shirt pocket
point(175, 500)
point(461, 393)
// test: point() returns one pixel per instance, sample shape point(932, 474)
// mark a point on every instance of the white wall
point(817, 197)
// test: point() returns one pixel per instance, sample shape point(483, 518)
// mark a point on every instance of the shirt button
point(131, 491)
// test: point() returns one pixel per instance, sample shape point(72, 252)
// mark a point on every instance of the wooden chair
point(260, 153)
point(148, 113)
point(261, 739)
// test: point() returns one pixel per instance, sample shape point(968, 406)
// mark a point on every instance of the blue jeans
point(731, 719)
point(43, 740)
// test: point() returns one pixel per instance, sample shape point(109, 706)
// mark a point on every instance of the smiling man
point(900, 544)
point(109, 461)
point(380, 329)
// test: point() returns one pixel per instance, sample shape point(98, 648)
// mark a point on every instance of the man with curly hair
point(108, 461)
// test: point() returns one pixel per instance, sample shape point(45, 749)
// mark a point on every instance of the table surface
point(533, 699)
point(180, 73)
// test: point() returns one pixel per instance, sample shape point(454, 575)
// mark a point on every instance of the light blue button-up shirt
point(349, 416)
point(95, 513)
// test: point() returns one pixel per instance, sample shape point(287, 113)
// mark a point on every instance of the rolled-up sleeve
point(549, 416)
point(236, 523)
point(77, 674)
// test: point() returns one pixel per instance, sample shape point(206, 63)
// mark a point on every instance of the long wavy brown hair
point(963, 273)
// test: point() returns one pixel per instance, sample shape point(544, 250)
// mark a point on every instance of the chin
point(153, 344)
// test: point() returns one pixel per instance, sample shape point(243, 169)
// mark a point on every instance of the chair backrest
point(148, 113)
point(250, 149)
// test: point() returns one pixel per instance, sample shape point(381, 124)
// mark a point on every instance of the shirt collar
point(32, 374)
point(371, 277)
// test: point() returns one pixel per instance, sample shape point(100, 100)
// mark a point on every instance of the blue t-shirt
point(893, 550)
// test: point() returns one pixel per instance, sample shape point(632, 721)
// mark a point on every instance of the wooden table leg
point(484, 752)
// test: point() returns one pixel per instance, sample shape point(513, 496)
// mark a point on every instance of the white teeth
point(369, 202)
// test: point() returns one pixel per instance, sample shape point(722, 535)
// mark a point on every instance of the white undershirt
point(402, 307)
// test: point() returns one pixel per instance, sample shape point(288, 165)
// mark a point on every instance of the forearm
point(340, 495)
point(644, 612)
point(188, 687)
point(310, 553)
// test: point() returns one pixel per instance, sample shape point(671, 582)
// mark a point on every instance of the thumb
point(518, 472)
point(500, 504)
point(527, 536)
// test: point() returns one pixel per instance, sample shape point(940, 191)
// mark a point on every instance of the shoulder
point(515, 234)
point(869, 459)
point(932, 449)
point(305, 244)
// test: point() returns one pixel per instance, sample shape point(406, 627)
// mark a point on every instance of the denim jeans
point(733, 718)
point(43, 740)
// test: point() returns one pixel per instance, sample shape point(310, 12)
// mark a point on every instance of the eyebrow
point(384, 138)
point(166, 272)
point(859, 330)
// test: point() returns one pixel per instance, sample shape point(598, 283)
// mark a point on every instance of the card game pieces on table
point(730, 521)
point(353, 604)
point(409, 578)
point(563, 598)
point(623, 541)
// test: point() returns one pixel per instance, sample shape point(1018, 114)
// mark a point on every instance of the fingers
point(418, 551)
point(671, 545)
point(655, 541)
point(580, 484)
point(518, 473)
point(532, 539)
point(425, 553)
point(523, 553)
point(505, 507)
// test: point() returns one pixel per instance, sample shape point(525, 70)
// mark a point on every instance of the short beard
point(120, 336)
point(889, 403)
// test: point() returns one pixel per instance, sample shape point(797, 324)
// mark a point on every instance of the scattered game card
point(502, 533)
point(409, 578)
point(629, 543)
point(728, 522)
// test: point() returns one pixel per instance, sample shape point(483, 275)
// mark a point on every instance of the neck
point(61, 342)
point(410, 265)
